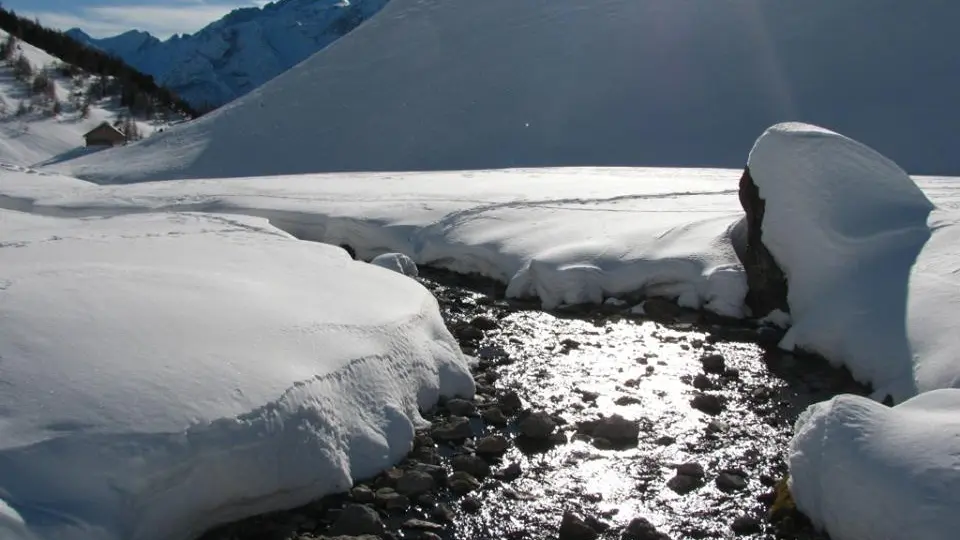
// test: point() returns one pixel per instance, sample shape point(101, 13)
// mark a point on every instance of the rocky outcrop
point(766, 282)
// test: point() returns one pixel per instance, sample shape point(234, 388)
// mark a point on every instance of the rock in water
point(357, 519)
point(574, 528)
point(398, 262)
point(766, 282)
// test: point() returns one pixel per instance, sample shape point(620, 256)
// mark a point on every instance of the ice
point(398, 262)
point(864, 471)
point(565, 236)
point(163, 373)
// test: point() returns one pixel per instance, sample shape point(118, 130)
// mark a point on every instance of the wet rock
point(627, 400)
point(343, 537)
point(713, 363)
point(766, 282)
point(728, 481)
point(596, 524)
point(707, 403)
point(461, 407)
point(415, 482)
point(492, 445)
point(472, 464)
point(665, 440)
point(661, 309)
point(357, 519)
point(509, 402)
point(588, 396)
point(601, 443)
point(391, 500)
point(482, 322)
point(495, 416)
point(456, 428)
point(510, 472)
point(746, 525)
point(423, 525)
point(470, 505)
point(689, 477)
point(702, 382)
point(572, 527)
point(537, 425)
point(362, 494)
point(443, 513)
point(570, 344)
point(617, 429)
point(467, 333)
point(691, 468)
point(641, 529)
point(716, 426)
point(461, 482)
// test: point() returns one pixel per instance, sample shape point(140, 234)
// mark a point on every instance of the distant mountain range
point(239, 52)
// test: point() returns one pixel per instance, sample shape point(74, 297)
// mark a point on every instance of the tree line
point(138, 91)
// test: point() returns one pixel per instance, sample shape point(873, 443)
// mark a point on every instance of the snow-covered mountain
point(241, 51)
point(461, 84)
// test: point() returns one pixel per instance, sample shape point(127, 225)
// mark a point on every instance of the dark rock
point(766, 282)
point(484, 323)
point(537, 425)
point(495, 416)
point(461, 482)
point(509, 402)
point(470, 505)
point(716, 426)
point(422, 525)
point(472, 464)
point(362, 494)
point(492, 445)
point(691, 468)
point(601, 443)
point(617, 429)
point(683, 484)
point(467, 333)
point(461, 407)
point(596, 524)
point(350, 251)
point(357, 519)
point(388, 478)
point(510, 472)
point(746, 525)
point(728, 481)
point(391, 500)
point(588, 395)
point(641, 529)
point(627, 400)
point(661, 309)
point(707, 403)
point(572, 527)
point(665, 440)
point(443, 513)
point(713, 363)
point(415, 482)
point(702, 382)
point(456, 428)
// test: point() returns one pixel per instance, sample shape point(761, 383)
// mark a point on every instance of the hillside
point(46, 106)
point(457, 84)
point(238, 53)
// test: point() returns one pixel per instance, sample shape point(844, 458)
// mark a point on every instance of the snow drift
point(870, 262)
point(462, 84)
point(163, 373)
point(864, 471)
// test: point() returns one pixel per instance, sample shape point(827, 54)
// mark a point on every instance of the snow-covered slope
point(241, 51)
point(462, 84)
point(163, 373)
point(30, 132)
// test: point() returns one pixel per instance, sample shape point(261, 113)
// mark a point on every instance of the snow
point(165, 372)
point(398, 262)
point(462, 84)
point(38, 136)
point(864, 471)
point(870, 261)
point(565, 236)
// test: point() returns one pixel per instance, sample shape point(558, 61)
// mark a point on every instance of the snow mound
point(869, 262)
point(864, 471)
point(467, 84)
point(561, 235)
point(163, 373)
point(398, 262)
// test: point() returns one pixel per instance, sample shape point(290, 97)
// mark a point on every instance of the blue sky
point(102, 18)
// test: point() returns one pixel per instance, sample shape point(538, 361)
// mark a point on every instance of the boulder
point(766, 282)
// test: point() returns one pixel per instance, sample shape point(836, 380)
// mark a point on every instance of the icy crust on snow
point(565, 236)
point(868, 260)
point(163, 373)
point(864, 471)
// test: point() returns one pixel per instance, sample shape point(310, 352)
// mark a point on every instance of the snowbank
point(163, 373)
point(864, 471)
point(871, 265)
point(562, 235)
point(467, 84)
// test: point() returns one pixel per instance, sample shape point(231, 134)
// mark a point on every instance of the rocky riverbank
point(587, 423)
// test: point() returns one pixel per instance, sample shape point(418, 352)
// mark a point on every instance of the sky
point(104, 18)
